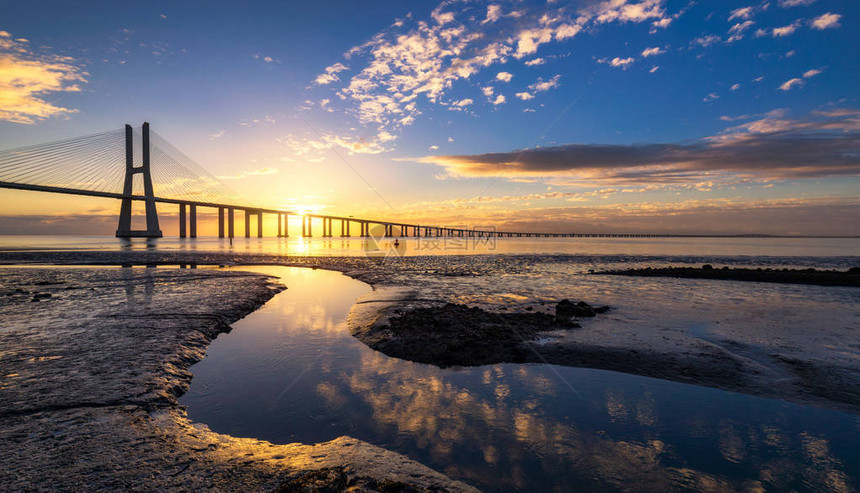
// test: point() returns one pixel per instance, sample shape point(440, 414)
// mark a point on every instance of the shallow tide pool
point(291, 372)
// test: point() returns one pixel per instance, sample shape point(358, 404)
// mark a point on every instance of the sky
point(587, 116)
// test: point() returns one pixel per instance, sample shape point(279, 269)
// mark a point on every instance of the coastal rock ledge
point(89, 381)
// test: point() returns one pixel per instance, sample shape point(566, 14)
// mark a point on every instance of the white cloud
point(735, 87)
point(779, 32)
point(536, 61)
point(330, 74)
point(652, 52)
point(826, 21)
point(742, 13)
point(705, 41)
point(488, 91)
point(494, 13)
point(434, 148)
point(415, 62)
point(525, 96)
point(794, 3)
point(26, 77)
point(618, 62)
point(218, 135)
point(710, 97)
point(268, 59)
point(542, 85)
point(811, 73)
point(462, 103)
point(736, 32)
point(654, 69)
point(500, 99)
point(791, 83)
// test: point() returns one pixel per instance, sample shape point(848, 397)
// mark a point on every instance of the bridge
point(93, 166)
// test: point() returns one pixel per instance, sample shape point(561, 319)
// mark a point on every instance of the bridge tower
point(124, 230)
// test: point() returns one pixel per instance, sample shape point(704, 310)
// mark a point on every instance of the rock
point(602, 309)
point(566, 309)
point(707, 267)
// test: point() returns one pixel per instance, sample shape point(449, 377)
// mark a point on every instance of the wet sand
point(93, 361)
point(803, 347)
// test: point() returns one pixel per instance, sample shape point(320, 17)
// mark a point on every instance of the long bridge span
point(92, 165)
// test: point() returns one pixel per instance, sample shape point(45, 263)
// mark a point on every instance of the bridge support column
point(230, 222)
point(220, 222)
point(260, 224)
point(286, 225)
point(192, 220)
point(326, 227)
point(247, 223)
point(280, 231)
point(344, 228)
point(124, 228)
point(182, 220)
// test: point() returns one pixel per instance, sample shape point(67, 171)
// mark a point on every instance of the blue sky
point(630, 115)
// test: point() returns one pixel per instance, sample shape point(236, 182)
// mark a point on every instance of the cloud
point(654, 69)
point(617, 62)
point(769, 148)
point(536, 61)
point(790, 84)
point(500, 99)
point(708, 40)
point(741, 13)
point(248, 173)
point(218, 135)
point(735, 87)
point(710, 97)
point(779, 32)
point(736, 32)
point(26, 77)
point(525, 96)
point(798, 82)
point(794, 3)
point(652, 52)
point(826, 21)
point(542, 85)
point(416, 62)
point(330, 74)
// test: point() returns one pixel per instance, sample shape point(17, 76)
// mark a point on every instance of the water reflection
point(290, 372)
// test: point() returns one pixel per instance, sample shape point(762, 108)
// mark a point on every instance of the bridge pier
point(220, 222)
point(280, 230)
point(326, 227)
point(230, 221)
point(192, 218)
point(259, 224)
point(182, 220)
point(124, 227)
point(247, 223)
point(389, 231)
point(344, 228)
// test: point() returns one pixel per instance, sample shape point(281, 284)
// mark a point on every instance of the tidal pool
point(291, 372)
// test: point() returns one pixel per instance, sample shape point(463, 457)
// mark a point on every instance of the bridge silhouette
point(104, 165)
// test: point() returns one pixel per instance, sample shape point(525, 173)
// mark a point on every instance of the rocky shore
point(93, 361)
point(850, 278)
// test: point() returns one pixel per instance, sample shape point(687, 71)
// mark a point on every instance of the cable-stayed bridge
point(106, 165)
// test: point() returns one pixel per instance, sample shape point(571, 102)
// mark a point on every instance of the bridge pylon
point(124, 229)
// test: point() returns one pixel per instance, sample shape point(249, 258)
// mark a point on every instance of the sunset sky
point(590, 116)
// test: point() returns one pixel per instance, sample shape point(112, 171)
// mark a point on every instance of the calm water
point(720, 247)
point(291, 372)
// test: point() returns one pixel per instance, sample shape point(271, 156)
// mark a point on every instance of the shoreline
point(90, 394)
point(609, 342)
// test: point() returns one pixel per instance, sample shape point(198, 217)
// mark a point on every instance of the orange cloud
point(25, 78)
